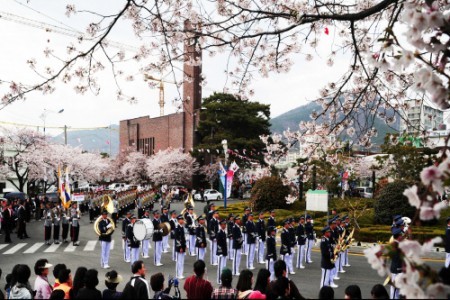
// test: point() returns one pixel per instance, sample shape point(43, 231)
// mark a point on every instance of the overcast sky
point(21, 42)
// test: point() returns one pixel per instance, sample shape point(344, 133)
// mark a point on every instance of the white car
point(209, 194)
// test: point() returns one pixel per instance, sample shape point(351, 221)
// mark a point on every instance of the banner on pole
point(317, 200)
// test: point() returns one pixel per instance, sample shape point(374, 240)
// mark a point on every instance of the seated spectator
point(225, 291)
point(157, 284)
point(279, 268)
point(112, 280)
point(65, 282)
point(41, 285)
point(57, 295)
point(326, 292)
point(244, 284)
point(90, 282)
point(78, 282)
point(282, 288)
point(195, 286)
point(56, 270)
point(379, 292)
point(262, 282)
point(352, 292)
point(21, 288)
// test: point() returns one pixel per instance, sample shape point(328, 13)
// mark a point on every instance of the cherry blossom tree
point(134, 170)
point(171, 166)
point(211, 172)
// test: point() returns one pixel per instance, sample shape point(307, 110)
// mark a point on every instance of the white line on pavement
point(90, 246)
point(70, 248)
point(52, 248)
point(3, 246)
point(15, 248)
point(33, 248)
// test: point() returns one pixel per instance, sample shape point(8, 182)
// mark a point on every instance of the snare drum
point(143, 229)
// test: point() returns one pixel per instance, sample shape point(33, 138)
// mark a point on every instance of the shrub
point(269, 193)
point(390, 202)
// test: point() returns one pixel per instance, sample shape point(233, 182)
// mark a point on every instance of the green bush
point(375, 234)
point(390, 202)
point(269, 193)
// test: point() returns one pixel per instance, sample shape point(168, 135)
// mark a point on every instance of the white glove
point(109, 226)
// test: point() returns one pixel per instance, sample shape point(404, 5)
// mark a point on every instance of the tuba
point(188, 202)
point(107, 204)
point(109, 231)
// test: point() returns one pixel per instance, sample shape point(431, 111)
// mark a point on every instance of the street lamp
point(44, 114)
point(225, 150)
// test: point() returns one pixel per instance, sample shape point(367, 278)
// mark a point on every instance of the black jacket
point(230, 225)
point(326, 251)
point(173, 225)
point(102, 226)
point(125, 223)
point(309, 228)
point(292, 236)
point(261, 229)
point(157, 235)
point(164, 218)
point(251, 232)
point(285, 242)
point(244, 221)
point(190, 224)
point(237, 237)
point(138, 285)
point(200, 237)
point(213, 228)
point(271, 248)
point(222, 243)
point(396, 262)
point(271, 222)
point(88, 293)
point(132, 241)
point(180, 239)
point(301, 235)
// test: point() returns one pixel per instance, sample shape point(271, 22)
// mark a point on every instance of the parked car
point(212, 194)
point(365, 192)
point(118, 187)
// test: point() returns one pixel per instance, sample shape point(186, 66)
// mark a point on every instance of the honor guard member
point(327, 266)
point(286, 243)
point(164, 219)
point(200, 238)
point(140, 207)
point(238, 240)
point(126, 248)
point(222, 249)
point(145, 242)
point(261, 230)
point(271, 255)
point(293, 237)
point(105, 239)
point(244, 229)
point(209, 215)
point(310, 239)
point(447, 244)
point(173, 225)
point(271, 219)
point(348, 230)
point(65, 226)
point(334, 240)
point(180, 247)
point(190, 226)
point(157, 239)
point(133, 243)
point(48, 222)
point(75, 227)
point(213, 227)
point(251, 241)
point(230, 224)
point(56, 223)
point(341, 231)
point(301, 240)
point(396, 262)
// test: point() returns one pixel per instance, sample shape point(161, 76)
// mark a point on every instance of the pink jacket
point(42, 287)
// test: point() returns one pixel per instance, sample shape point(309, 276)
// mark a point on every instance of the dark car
point(16, 195)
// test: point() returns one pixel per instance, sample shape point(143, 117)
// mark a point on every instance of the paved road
point(88, 254)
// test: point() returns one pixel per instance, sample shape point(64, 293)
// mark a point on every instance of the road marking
point(3, 246)
point(15, 248)
point(112, 245)
point(70, 248)
point(90, 246)
point(52, 248)
point(33, 248)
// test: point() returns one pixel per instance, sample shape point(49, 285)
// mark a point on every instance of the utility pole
point(65, 134)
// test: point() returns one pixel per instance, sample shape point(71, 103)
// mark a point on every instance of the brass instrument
point(108, 204)
point(188, 202)
point(349, 240)
point(109, 231)
point(338, 247)
point(165, 227)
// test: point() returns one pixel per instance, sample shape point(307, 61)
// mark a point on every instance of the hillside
point(292, 118)
point(95, 140)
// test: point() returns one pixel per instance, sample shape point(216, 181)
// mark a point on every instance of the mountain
point(93, 140)
point(292, 118)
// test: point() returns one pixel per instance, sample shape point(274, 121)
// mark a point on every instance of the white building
point(421, 117)
point(5, 180)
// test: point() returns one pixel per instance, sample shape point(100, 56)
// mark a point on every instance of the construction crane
point(161, 90)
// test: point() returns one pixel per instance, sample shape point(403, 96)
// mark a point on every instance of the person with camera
point(157, 284)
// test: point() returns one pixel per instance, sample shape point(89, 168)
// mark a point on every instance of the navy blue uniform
point(261, 229)
point(301, 235)
point(237, 237)
point(285, 242)
point(102, 226)
point(213, 228)
point(222, 248)
point(200, 234)
point(326, 251)
point(271, 248)
point(251, 232)
point(180, 239)
point(157, 235)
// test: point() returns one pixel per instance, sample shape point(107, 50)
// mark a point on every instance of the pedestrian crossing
point(30, 248)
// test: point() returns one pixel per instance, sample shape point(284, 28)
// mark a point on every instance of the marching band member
point(301, 240)
point(230, 225)
point(238, 240)
point(157, 239)
point(165, 240)
point(48, 216)
point(133, 243)
point(105, 239)
point(56, 223)
point(180, 247)
point(200, 242)
point(126, 248)
point(222, 249)
point(293, 239)
point(173, 225)
point(396, 262)
point(244, 229)
point(347, 233)
point(340, 229)
point(261, 230)
point(309, 229)
point(145, 242)
point(251, 241)
point(65, 226)
point(190, 225)
point(271, 255)
point(334, 240)
point(213, 226)
point(75, 224)
point(327, 266)
point(285, 250)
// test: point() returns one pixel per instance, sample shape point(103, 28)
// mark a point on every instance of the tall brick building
point(149, 135)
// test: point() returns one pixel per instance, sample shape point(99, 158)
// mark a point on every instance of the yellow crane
point(161, 90)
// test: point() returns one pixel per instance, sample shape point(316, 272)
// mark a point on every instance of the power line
point(59, 127)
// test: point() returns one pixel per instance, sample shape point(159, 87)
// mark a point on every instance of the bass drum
point(143, 229)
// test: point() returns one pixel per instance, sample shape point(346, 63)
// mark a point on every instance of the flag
point(60, 185)
point(66, 191)
point(327, 31)
point(234, 167)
